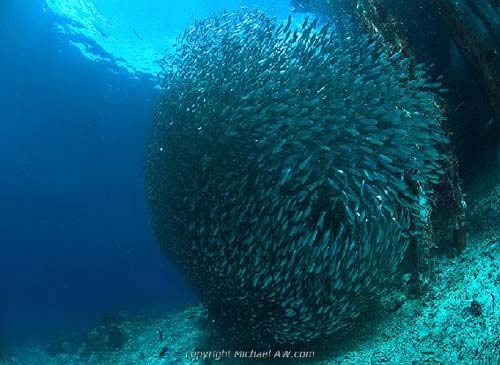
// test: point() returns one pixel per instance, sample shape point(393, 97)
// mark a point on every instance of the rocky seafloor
point(455, 321)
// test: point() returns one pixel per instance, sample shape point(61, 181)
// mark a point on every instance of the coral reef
point(284, 168)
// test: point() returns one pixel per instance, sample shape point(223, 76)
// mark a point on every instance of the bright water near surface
point(135, 35)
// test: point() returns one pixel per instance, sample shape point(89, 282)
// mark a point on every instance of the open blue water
point(77, 82)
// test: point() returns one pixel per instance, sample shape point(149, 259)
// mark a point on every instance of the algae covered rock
point(278, 171)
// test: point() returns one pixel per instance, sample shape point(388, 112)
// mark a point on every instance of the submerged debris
point(278, 168)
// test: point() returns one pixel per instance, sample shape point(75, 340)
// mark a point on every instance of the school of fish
point(280, 166)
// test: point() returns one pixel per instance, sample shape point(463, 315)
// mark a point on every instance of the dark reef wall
point(286, 170)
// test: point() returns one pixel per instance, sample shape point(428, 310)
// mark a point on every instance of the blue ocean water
point(77, 83)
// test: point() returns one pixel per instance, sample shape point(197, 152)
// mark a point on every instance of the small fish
point(160, 334)
point(306, 20)
point(396, 56)
point(288, 23)
point(491, 55)
point(285, 175)
point(137, 35)
point(163, 352)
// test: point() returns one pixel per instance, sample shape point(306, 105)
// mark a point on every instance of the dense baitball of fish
point(278, 170)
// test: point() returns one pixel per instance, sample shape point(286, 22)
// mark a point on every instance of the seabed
point(456, 320)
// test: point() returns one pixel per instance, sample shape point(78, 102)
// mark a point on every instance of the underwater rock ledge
point(281, 171)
